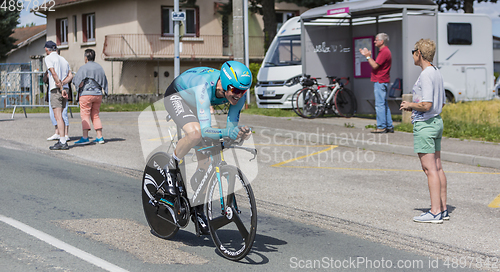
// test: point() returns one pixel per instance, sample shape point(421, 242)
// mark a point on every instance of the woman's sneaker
point(83, 141)
point(445, 215)
point(428, 217)
point(99, 140)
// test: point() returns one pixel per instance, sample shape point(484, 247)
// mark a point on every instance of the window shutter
point(84, 28)
point(197, 22)
point(58, 31)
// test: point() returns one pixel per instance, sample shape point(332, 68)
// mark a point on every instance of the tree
point(270, 25)
point(8, 21)
point(466, 5)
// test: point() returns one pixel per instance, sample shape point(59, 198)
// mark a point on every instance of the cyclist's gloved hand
point(233, 133)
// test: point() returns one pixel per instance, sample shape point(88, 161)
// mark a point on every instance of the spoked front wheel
point(232, 213)
point(311, 106)
point(345, 103)
point(158, 210)
point(298, 101)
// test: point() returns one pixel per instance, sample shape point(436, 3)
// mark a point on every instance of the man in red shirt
point(381, 77)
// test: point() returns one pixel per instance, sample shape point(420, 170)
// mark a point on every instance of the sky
point(492, 10)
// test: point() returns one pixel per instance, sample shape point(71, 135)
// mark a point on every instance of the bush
point(254, 68)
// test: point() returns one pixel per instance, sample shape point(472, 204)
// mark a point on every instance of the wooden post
point(407, 114)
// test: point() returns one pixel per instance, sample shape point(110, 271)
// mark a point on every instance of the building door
point(165, 76)
point(475, 83)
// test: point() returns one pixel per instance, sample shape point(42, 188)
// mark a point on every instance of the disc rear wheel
point(158, 209)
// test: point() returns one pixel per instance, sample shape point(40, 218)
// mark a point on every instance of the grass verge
point(477, 120)
point(104, 108)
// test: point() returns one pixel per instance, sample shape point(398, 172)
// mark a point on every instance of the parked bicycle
point(315, 98)
point(224, 191)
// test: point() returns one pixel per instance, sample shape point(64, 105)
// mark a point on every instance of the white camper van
point(278, 77)
point(464, 56)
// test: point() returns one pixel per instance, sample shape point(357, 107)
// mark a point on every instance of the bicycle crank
point(182, 209)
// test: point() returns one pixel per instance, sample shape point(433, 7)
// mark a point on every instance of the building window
point(88, 27)
point(459, 33)
point(62, 31)
point(191, 24)
point(283, 16)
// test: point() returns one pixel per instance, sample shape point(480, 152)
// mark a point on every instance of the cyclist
point(188, 100)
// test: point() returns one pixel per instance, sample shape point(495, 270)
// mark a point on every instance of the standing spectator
point(56, 135)
point(381, 77)
point(92, 83)
point(428, 102)
point(59, 77)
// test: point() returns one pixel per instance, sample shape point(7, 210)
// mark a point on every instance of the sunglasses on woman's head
point(413, 51)
point(235, 90)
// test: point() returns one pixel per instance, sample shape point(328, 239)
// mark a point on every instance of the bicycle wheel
point(312, 106)
point(297, 102)
point(158, 211)
point(345, 102)
point(234, 225)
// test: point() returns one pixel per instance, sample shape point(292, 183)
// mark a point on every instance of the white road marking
point(62, 245)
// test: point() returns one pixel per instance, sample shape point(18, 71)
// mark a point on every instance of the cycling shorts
point(178, 109)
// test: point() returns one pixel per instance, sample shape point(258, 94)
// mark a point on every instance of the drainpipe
point(40, 14)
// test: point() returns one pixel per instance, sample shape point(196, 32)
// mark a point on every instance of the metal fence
point(16, 84)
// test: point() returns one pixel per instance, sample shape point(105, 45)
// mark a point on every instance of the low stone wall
point(131, 98)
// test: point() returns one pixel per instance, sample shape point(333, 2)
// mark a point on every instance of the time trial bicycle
point(224, 191)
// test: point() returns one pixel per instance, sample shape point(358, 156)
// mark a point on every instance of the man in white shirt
point(59, 76)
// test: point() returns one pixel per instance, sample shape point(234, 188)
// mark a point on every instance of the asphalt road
point(52, 220)
point(309, 194)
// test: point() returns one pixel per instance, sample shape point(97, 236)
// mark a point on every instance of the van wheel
point(449, 97)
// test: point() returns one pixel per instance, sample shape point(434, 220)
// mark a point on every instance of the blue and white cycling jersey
point(197, 86)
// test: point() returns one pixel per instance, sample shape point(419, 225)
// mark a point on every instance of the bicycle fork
point(230, 190)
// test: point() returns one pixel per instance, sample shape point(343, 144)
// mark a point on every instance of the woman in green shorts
point(428, 102)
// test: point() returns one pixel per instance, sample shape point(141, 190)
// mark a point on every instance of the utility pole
point(177, 64)
point(238, 39)
point(240, 33)
point(245, 30)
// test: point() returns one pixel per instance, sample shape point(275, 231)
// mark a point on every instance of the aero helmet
point(235, 74)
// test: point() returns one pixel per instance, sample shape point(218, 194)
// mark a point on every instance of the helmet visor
point(235, 90)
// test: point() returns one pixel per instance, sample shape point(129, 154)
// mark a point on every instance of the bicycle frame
point(332, 92)
point(215, 163)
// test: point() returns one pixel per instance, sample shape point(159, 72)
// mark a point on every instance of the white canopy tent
point(332, 35)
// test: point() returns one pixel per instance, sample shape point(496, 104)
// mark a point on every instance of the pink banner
point(337, 11)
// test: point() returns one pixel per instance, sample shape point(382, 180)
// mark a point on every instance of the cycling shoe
point(202, 222)
point(169, 185)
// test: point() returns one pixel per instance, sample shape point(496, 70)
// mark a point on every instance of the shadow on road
point(256, 256)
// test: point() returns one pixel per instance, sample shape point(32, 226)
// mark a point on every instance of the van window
point(286, 51)
point(459, 34)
